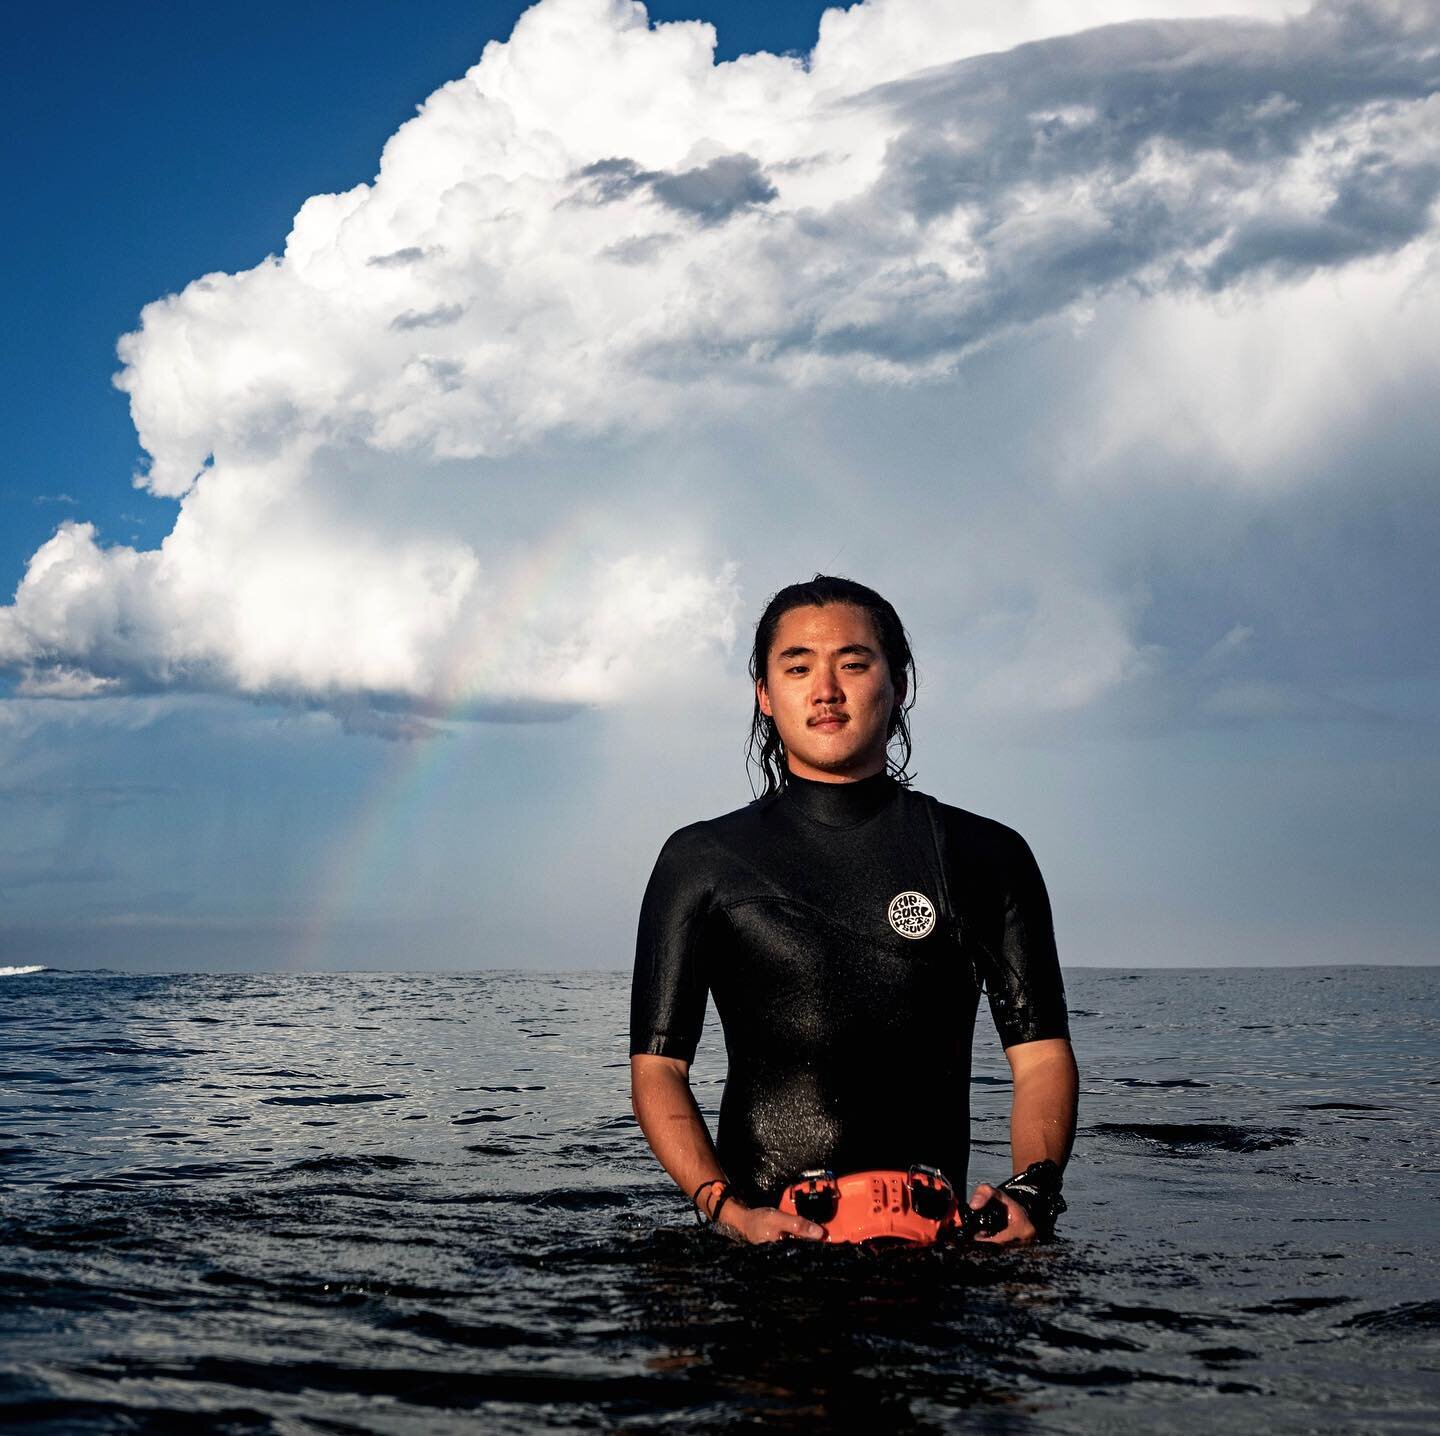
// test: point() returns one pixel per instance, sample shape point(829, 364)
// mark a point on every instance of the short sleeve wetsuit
point(843, 931)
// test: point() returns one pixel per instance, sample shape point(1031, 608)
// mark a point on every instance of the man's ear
point(900, 691)
point(763, 698)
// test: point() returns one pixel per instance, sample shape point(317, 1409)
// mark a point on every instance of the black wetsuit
point(848, 1040)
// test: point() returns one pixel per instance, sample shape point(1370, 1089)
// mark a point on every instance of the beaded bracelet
point(700, 1216)
point(720, 1202)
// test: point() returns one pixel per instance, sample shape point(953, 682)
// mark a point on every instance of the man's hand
point(766, 1224)
point(1019, 1230)
point(665, 1108)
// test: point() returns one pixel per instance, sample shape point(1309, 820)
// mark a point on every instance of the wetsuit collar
point(840, 805)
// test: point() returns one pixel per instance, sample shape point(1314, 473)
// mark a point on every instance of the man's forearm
point(665, 1107)
point(1042, 1112)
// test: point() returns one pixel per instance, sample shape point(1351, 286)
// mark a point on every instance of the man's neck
point(858, 774)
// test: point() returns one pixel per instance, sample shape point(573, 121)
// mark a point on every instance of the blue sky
point(1108, 353)
point(152, 144)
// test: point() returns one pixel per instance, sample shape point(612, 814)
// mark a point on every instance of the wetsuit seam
point(780, 898)
point(828, 919)
point(840, 827)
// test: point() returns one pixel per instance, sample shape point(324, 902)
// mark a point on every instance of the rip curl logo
point(912, 915)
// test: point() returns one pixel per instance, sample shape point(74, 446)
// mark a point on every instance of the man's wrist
point(705, 1197)
point(717, 1203)
point(1037, 1190)
point(732, 1220)
point(721, 1206)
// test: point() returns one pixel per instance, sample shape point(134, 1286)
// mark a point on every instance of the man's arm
point(1042, 1122)
point(665, 1107)
point(1042, 1110)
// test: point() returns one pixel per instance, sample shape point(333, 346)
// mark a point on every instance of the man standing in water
point(844, 925)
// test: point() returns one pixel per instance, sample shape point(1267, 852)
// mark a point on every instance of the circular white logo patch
point(912, 914)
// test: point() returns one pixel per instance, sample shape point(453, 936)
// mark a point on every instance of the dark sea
point(418, 1203)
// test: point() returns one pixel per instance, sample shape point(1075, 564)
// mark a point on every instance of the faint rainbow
point(413, 770)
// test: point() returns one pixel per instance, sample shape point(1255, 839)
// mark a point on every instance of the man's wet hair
point(764, 751)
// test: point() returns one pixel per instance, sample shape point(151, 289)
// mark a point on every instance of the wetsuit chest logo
point(912, 914)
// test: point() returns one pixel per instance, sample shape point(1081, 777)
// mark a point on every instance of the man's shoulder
point(974, 834)
point(709, 835)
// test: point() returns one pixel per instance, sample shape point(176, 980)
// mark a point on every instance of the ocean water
point(418, 1203)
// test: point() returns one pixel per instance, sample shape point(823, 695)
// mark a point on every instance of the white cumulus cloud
point(431, 457)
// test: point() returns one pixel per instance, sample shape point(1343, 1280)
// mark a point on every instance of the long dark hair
point(765, 751)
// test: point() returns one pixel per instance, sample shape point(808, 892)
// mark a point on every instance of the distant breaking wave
point(21, 971)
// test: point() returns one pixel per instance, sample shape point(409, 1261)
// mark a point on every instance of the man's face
point(829, 689)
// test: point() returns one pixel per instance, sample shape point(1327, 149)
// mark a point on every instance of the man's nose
point(827, 687)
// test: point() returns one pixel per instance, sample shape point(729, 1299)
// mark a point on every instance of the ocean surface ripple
point(351, 1203)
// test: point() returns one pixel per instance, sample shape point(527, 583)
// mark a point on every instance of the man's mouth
point(829, 720)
